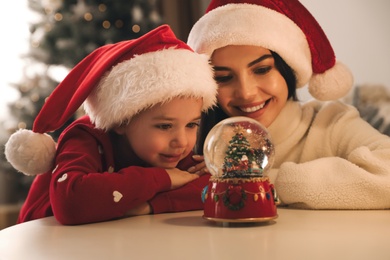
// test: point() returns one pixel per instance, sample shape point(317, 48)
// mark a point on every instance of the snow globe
point(238, 151)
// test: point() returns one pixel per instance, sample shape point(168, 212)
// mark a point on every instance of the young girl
point(327, 157)
point(131, 153)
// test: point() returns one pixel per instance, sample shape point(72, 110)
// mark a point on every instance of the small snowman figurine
point(238, 152)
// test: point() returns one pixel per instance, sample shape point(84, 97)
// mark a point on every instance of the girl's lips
point(170, 158)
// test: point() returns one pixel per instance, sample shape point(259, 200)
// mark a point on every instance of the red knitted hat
point(116, 81)
point(283, 26)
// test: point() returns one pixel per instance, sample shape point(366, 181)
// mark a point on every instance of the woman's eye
point(262, 70)
point(222, 79)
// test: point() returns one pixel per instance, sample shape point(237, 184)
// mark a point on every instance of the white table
point(295, 234)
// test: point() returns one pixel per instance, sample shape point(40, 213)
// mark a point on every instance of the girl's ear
point(120, 130)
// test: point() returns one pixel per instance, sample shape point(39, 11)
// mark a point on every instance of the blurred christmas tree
point(64, 34)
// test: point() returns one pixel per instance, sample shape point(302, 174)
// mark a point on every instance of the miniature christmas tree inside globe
point(238, 147)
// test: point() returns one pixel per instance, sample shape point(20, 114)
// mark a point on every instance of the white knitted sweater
point(327, 157)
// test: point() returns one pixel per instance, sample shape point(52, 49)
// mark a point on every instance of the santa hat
point(116, 81)
point(283, 26)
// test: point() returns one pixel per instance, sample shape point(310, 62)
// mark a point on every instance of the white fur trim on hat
point(30, 153)
point(248, 24)
point(149, 79)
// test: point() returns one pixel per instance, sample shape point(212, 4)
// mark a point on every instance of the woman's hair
point(215, 115)
point(288, 75)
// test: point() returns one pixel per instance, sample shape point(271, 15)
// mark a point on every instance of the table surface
point(295, 234)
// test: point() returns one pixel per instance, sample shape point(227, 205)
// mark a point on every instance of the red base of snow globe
point(240, 200)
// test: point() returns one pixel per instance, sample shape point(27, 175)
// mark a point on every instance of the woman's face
point(249, 83)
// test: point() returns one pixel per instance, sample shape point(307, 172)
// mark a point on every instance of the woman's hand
point(200, 168)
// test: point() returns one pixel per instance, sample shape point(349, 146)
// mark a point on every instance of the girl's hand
point(200, 168)
point(180, 178)
point(142, 209)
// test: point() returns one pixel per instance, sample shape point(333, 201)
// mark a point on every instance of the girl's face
point(249, 83)
point(166, 133)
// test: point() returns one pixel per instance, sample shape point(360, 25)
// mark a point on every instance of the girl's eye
point(193, 125)
point(222, 79)
point(262, 70)
point(164, 126)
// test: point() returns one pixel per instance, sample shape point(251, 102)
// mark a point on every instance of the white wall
point(14, 42)
point(359, 31)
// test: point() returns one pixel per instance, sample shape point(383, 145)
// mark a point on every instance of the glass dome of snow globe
point(238, 147)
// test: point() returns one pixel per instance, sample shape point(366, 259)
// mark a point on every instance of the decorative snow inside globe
point(238, 151)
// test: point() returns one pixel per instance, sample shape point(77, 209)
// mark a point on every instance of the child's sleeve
point(184, 198)
point(84, 187)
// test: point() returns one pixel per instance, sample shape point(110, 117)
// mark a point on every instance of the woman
point(327, 157)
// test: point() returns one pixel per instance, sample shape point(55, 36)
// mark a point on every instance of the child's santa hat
point(283, 26)
point(116, 81)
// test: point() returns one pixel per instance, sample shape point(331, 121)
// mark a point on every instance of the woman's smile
point(253, 108)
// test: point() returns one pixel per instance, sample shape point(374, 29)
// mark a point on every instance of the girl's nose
point(180, 139)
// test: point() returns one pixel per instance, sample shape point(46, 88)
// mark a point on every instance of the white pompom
point(333, 84)
point(29, 152)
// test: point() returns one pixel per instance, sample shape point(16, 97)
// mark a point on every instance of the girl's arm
point(84, 187)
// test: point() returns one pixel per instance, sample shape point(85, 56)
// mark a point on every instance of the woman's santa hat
point(116, 81)
point(283, 26)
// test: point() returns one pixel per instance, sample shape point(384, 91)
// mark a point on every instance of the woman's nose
point(246, 88)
